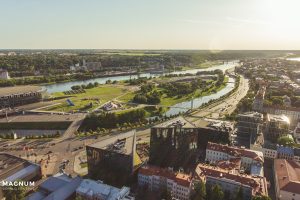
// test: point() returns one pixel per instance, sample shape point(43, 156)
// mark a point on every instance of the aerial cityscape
point(94, 107)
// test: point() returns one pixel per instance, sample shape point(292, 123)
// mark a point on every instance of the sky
point(150, 24)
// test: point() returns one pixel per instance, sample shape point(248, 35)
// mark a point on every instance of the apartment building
point(231, 181)
point(156, 179)
point(216, 152)
point(287, 179)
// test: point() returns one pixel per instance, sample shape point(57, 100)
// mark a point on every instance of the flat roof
point(178, 121)
point(6, 91)
point(122, 143)
point(10, 165)
point(41, 117)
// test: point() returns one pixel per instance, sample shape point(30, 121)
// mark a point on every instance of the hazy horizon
point(150, 25)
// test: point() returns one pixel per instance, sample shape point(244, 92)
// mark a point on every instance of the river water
point(197, 102)
point(60, 87)
point(175, 109)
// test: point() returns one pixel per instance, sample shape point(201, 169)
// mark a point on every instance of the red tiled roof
point(258, 184)
point(234, 151)
point(179, 178)
point(288, 175)
point(233, 163)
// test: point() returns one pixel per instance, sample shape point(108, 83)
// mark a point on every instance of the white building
point(155, 178)
point(287, 179)
point(216, 152)
point(231, 181)
point(90, 190)
point(4, 74)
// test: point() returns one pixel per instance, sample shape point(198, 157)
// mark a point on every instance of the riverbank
point(60, 87)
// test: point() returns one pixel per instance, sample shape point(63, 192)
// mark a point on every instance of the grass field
point(104, 93)
point(169, 101)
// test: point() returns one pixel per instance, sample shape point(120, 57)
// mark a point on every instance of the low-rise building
point(156, 179)
point(4, 74)
point(231, 181)
point(296, 133)
point(20, 95)
point(60, 186)
point(249, 158)
point(13, 168)
point(287, 179)
point(90, 190)
point(258, 102)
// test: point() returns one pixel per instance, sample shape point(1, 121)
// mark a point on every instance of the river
point(197, 102)
point(60, 87)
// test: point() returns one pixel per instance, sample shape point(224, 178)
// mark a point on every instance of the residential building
point(112, 158)
point(297, 133)
point(231, 181)
point(287, 101)
point(92, 66)
point(60, 186)
point(156, 179)
point(287, 179)
point(90, 190)
point(258, 102)
point(276, 126)
point(4, 74)
point(249, 158)
point(14, 168)
point(292, 113)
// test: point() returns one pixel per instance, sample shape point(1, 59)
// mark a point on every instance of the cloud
point(248, 21)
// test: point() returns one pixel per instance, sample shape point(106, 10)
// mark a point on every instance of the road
point(220, 108)
point(68, 146)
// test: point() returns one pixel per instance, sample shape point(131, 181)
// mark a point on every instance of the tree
point(286, 141)
point(15, 192)
point(240, 194)
point(261, 198)
point(200, 191)
point(216, 193)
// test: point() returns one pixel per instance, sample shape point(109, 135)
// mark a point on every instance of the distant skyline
point(150, 24)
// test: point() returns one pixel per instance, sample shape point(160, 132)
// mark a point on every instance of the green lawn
point(169, 101)
point(104, 93)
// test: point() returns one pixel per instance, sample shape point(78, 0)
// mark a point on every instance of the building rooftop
point(251, 114)
point(214, 124)
point(178, 177)
point(97, 189)
point(258, 184)
point(288, 175)
point(178, 121)
point(235, 151)
point(13, 168)
point(123, 143)
point(59, 186)
point(231, 164)
point(278, 118)
point(6, 91)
